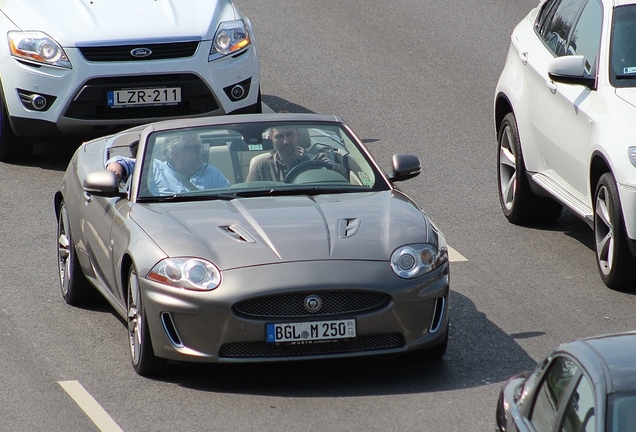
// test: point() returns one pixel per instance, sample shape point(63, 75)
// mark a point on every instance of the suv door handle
point(551, 85)
point(523, 56)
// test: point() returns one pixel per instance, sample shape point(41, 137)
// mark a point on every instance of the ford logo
point(313, 303)
point(141, 52)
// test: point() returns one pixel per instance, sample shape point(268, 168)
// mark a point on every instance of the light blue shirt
point(166, 181)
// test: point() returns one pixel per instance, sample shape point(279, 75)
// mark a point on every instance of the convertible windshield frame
point(230, 148)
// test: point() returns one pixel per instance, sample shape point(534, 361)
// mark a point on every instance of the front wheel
point(142, 355)
point(12, 147)
point(76, 290)
point(518, 202)
point(615, 263)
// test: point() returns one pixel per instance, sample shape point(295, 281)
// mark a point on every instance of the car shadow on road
point(466, 364)
point(571, 226)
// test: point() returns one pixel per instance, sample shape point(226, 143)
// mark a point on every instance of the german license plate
point(144, 97)
point(310, 331)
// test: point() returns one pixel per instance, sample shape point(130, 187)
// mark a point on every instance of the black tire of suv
point(527, 207)
point(622, 269)
point(12, 147)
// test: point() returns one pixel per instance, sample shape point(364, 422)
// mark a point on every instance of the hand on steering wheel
point(306, 166)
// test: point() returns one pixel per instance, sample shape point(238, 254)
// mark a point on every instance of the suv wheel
point(615, 262)
point(12, 147)
point(518, 202)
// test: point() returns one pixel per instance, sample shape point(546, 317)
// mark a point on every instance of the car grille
point(293, 305)
point(123, 52)
point(90, 103)
point(359, 344)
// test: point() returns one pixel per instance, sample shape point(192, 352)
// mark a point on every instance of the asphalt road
point(408, 76)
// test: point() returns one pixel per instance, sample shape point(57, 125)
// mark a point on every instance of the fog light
point(38, 102)
point(237, 92)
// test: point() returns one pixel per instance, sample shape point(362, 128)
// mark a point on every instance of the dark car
point(585, 385)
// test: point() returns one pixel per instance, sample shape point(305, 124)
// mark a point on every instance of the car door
point(553, 391)
point(563, 111)
point(579, 412)
point(96, 225)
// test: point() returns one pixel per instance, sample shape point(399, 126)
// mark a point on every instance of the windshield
point(255, 159)
point(623, 47)
point(621, 412)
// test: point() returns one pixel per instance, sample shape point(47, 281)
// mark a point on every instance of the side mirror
point(102, 183)
point(570, 70)
point(405, 166)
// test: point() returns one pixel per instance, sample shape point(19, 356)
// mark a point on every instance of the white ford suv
point(565, 118)
point(90, 68)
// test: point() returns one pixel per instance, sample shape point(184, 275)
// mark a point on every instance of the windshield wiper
point(625, 76)
point(190, 197)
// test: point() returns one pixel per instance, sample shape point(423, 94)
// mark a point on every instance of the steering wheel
point(305, 166)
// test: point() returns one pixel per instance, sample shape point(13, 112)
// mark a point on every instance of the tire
point(616, 265)
point(257, 108)
point(438, 351)
point(142, 355)
point(518, 202)
point(76, 290)
point(12, 147)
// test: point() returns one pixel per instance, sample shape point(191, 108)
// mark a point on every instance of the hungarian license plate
point(144, 97)
point(310, 331)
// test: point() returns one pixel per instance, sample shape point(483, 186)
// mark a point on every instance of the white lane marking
point(90, 406)
point(455, 256)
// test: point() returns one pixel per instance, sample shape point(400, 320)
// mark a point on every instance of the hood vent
point(348, 227)
point(235, 232)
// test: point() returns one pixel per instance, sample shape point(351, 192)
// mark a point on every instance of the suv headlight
point(230, 37)
point(632, 155)
point(37, 47)
point(415, 260)
point(188, 273)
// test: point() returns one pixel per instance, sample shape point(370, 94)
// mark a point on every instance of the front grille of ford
point(358, 344)
point(119, 53)
point(293, 304)
point(90, 103)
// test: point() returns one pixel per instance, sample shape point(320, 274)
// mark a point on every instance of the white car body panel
point(118, 19)
point(562, 127)
point(107, 24)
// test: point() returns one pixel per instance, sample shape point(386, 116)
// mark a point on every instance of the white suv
point(94, 67)
point(565, 118)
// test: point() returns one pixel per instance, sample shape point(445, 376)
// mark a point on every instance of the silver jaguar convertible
point(252, 238)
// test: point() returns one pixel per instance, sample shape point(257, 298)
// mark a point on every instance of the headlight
point(37, 47)
point(189, 273)
point(416, 260)
point(632, 155)
point(230, 37)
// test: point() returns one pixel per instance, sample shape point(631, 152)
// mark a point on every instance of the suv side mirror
point(570, 70)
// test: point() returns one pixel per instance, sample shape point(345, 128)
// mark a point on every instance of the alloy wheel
point(63, 250)
point(507, 168)
point(135, 320)
point(604, 231)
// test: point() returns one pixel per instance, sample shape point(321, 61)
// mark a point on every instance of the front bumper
point(208, 326)
point(74, 100)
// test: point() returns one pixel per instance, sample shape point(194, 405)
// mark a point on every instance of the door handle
point(551, 85)
point(523, 56)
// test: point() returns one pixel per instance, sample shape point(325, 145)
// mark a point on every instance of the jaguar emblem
point(313, 303)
